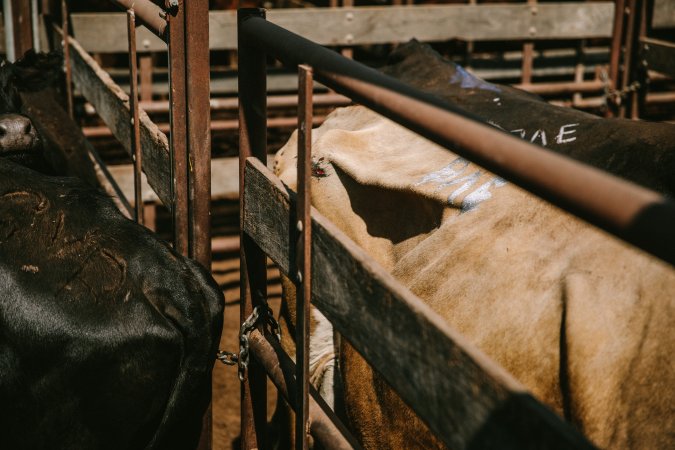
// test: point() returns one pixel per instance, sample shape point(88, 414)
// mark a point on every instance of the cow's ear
point(37, 71)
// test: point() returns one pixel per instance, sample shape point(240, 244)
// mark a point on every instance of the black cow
point(642, 152)
point(107, 336)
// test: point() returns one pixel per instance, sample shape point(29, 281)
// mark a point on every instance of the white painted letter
point(560, 138)
point(519, 131)
point(541, 134)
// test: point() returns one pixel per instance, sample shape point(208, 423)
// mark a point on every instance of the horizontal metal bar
point(560, 88)
point(324, 425)
point(216, 125)
point(149, 14)
point(658, 55)
point(635, 214)
point(231, 104)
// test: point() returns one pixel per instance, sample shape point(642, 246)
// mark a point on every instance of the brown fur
point(582, 320)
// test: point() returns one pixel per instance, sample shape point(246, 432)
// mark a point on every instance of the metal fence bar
point(178, 122)
point(303, 255)
point(66, 57)
point(151, 15)
point(136, 154)
point(199, 125)
point(23, 30)
point(253, 277)
point(198, 112)
point(638, 215)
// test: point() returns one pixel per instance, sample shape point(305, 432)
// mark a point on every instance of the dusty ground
point(225, 380)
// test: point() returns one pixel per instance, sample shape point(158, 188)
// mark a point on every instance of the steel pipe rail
point(323, 424)
point(149, 14)
point(638, 215)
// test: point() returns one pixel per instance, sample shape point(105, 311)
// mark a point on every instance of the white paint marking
point(539, 134)
point(560, 138)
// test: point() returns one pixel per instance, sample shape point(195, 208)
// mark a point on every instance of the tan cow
point(584, 321)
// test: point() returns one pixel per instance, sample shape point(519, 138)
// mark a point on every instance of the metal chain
point(617, 95)
point(242, 359)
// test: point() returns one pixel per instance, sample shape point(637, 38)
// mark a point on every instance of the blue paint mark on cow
point(468, 81)
point(453, 175)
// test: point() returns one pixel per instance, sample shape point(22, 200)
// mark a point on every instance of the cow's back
point(582, 320)
point(108, 337)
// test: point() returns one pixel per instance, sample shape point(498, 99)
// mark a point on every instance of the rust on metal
point(149, 14)
point(528, 50)
point(197, 90)
point(252, 79)
point(199, 128)
point(303, 222)
point(616, 52)
point(216, 125)
point(627, 66)
point(66, 57)
point(178, 123)
point(146, 81)
point(136, 154)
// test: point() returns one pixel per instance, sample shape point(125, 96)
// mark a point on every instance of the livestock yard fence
point(462, 396)
point(330, 271)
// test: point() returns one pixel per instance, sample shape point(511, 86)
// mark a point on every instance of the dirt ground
point(226, 384)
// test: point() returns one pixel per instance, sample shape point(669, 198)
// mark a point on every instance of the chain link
point(616, 95)
point(242, 359)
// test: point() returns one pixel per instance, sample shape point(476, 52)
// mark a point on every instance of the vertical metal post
point(304, 254)
point(66, 57)
point(579, 69)
point(252, 142)
point(199, 149)
point(348, 52)
point(146, 77)
point(626, 67)
point(136, 154)
point(177, 118)
point(35, 25)
point(199, 128)
point(21, 27)
point(9, 30)
point(639, 73)
point(528, 51)
point(616, 51)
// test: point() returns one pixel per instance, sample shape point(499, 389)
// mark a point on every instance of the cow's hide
point(107, 336)
point(637, 150)
point(581, 319)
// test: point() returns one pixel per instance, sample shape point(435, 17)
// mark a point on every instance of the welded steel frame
point(639, 216)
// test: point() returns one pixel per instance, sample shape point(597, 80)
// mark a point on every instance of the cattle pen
point(490, 409)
